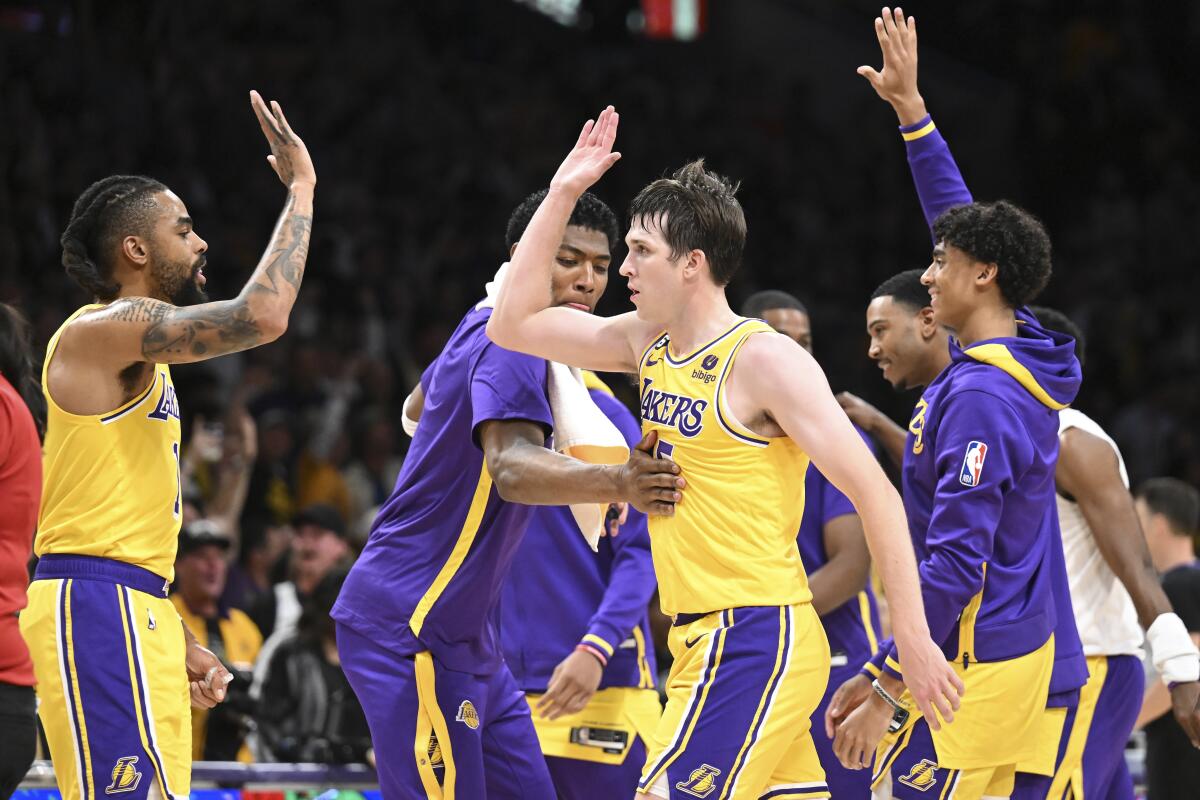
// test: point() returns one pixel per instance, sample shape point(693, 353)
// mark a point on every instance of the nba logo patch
point(701, 782)
point(467, 715)
point(972, 466)
point(922, 777)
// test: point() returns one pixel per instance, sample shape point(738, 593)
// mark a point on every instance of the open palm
point(592, 155)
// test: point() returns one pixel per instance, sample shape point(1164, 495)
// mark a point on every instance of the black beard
point(189, 294)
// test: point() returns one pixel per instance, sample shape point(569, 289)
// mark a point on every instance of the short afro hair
point(590, 212)
point(696, 209)
point(1003, 234)
point(1055, 320)
point(760, 302)
point(905, 288)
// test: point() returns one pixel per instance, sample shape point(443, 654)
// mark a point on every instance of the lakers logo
point(125, 777)
point(917, 427)
point(922, 776)
point(467, 715)
point(435, 753)
point(168, 405)
point(701, 783)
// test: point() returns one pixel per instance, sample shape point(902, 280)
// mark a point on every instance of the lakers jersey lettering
point(732, 540)
point(167, 407)
point(111, 481)
point(685, 414)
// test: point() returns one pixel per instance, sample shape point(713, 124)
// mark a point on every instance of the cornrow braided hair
point(116, 205)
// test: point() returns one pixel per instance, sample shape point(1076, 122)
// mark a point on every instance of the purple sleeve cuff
point(891, 664)
point(875, 667)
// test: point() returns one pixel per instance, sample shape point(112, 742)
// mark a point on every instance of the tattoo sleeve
point(199, 332)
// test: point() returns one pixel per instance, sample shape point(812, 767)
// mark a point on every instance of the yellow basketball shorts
point(113, 689)
point(740, 697)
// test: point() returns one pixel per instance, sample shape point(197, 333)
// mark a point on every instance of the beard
point(179, 284)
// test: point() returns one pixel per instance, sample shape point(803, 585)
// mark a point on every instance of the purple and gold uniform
point(979, 493)
point(414, 634)
point(940, 185)
point(852, 628)
point(751, 660)
point(598, 599)
point(107, 645)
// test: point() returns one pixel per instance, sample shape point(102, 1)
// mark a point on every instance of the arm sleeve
point(508, 386)
point(939, 182)
point(631, 581)
point(981, 448)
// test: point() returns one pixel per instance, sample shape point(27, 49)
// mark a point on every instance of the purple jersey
point(853, 627)
point(441, 546)
point(979, 492)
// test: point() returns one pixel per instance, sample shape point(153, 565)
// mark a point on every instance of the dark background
point(429, 121)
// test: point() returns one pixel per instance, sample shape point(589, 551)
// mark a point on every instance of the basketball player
point(1059, 747)
point(741, 409)
point(414, 632)
point(836, 559)
point(586, 666)
point(113, 662)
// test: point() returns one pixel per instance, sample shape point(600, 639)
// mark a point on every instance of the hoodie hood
point(1041, 360)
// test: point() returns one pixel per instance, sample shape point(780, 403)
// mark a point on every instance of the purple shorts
point(438, 731)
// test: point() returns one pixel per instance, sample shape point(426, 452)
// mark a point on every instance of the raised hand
point(591, 157)
point(289, 157)
point(896, 82)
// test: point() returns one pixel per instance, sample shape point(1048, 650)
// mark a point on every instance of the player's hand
point(860, 734)
point(289, 157)
point(860, 412)
point(933, 683)
point(571, 686)
point(618, 515)
point(207, 677)
point(651, 485)
point(591, 157)
point(849, 696)
point(897, 81)
point(1184, 700)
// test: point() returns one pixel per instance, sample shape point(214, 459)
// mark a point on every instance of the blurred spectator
point(318, 545)
point(22, 419)
point(200, 571)
point(272, 490)
point(1169, 510)
point(262, 548)
point(308, 710)
point(371, 477)
point(217, 465)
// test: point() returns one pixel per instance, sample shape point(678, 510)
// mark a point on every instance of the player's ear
point(987, 273)
point(512, 250)
point(135, 250)
point(694, 262)
point(926, 324)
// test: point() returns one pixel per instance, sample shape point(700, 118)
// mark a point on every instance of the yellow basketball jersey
point(732, 540)
point(111, 486)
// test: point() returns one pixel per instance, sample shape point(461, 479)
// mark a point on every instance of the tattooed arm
point(134, 329)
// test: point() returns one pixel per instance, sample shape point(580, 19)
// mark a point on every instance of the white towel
point(581, 429)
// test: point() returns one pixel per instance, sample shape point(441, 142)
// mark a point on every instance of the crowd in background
point(428, 122)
